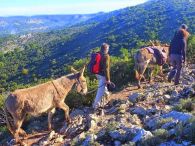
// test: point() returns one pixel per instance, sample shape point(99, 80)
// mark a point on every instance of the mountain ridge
point(39, 23)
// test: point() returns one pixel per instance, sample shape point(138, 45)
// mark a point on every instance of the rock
point(43, 143)
point(118, 134)
point(77, 112)
point(101, 133)
point(129, 144)
point(174, 93)
point(187, 92)
point(122, 108)
point(170, 125)
point(79, 137)
point(151, 111)
point(170, 143)
point(186, 143)
point(89, 139)
point(51, 135)
point(78, 125)
point(117, 143)
point(166, 96)
point(151, 123)
point(135, 97)
point(183, 117)
point(173, 143)
point(172, 132)
point(59, 139)
point(149, 95)
point(158, 93)
point(140, 111)
point(142, 135)
point(92, 122)
point(112, 110)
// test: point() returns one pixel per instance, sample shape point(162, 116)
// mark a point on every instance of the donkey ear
point(82, 71)
point(73, 70)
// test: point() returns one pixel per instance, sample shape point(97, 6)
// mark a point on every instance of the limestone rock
point(135, 97)
point(142, 135)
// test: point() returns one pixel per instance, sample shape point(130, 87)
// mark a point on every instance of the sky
point(37, 7)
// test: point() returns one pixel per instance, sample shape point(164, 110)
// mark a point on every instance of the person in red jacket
point(103, 76)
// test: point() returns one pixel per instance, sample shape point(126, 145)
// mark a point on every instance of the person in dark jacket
point(103, 77)
point(177, 53)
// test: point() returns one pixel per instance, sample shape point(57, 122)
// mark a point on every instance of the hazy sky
point(34, 7)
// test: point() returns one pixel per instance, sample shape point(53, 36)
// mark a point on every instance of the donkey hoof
point(139, 87)
point(69, 121)
point(151, 81)
point(49, 129)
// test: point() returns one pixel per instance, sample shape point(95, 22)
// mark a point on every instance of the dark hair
point(184, 26)
point(104, 46)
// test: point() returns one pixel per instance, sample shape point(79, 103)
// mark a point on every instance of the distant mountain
point(41, 23)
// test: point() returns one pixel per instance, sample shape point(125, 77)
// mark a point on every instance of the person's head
point(184, 26)
point(104, 48)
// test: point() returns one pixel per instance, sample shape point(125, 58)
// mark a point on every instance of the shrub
point(191, 131)
point(160, 135)
point(2, 100)
point(163, 121)
point(25, 71)
point(185, 105)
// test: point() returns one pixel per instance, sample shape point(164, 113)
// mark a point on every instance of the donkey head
point(81, 82)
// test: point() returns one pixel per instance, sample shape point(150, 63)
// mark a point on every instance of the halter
point(56, 88)
point(78, 82)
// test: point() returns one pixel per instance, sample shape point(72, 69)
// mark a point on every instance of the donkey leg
point(17, 124)
point(161, 70)
point(64, 107)
point(151, 74)
point(142, 71)
point(50, 115)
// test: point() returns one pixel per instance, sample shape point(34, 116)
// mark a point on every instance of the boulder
point(142, 135)
point(180, 116)
point(89, 139)
point(135, 97)
point(118, 134)
point(170, 125)
point(140, 111)
point(117, 143)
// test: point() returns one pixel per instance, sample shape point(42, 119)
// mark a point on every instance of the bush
point(25, 71)
point(163, 121)
point(191, 131)
point(185, 105)
point(160, 135)
point(2, 100)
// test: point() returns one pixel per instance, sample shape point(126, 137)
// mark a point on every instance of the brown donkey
point(42, 98)
point(146, 57)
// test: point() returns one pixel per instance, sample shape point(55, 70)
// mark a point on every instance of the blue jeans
point(176, 62)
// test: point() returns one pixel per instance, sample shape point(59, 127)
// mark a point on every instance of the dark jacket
point(179, 43)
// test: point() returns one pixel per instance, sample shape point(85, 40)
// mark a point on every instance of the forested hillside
point(46, 55)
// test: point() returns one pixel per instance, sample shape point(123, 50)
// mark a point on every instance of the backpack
point(94, 64)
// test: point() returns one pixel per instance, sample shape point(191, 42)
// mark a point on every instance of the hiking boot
point(99, 111)
point(177, 83)
point(169, 80)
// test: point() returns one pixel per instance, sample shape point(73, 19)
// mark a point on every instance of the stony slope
point(160, 114)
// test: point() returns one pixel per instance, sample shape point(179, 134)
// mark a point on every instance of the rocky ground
point(159, 114)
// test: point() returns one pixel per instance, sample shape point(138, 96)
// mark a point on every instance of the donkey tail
point(7, 116)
